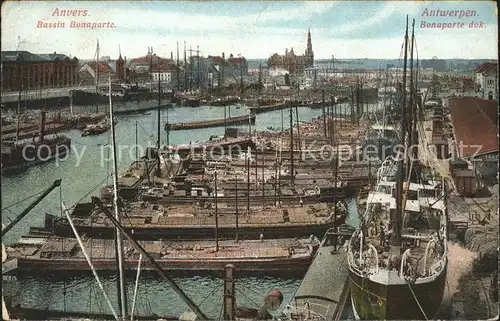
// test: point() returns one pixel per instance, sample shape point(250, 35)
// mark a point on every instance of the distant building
point(292, 62)
point(486, 79)
point(22, 69)
point(144, 64)
point(90, 70)
point(236, 66)
point(208, 72)
point(122, 72)
point(166, 74)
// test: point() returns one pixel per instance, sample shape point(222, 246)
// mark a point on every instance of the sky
point(254, 29)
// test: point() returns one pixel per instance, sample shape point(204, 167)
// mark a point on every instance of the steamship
point(397, 258)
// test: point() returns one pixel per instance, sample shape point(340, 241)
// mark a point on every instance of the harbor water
point(88, 168)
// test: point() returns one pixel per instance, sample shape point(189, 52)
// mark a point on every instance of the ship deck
point(325, 286)
point(155, 216)
point(103, 248)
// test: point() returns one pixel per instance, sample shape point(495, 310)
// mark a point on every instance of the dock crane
point(55, 184)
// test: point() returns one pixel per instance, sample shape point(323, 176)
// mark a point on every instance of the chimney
point(171, 55)
point(42, 125)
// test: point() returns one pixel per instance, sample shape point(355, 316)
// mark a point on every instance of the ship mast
point(247, 162)
point(177, 68)
point(397, 217)
point(97, 69)
point(414, 132)
point(336, 142)
point(291, 143)
point(122, 291)
point(158, 168)
point(410, 100)
point(237, 214)
point(18, 113)
point(297, 121)
point(216, 214)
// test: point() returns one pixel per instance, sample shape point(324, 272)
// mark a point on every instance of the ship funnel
point(42, 124)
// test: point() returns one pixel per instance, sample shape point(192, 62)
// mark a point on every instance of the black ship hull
point(61, 227)
point(34, 154)
point(376, 301)
point(191, 102)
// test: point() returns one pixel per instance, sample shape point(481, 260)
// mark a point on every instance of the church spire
point(309, 50)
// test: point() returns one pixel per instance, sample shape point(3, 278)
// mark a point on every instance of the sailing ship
point(397, 258)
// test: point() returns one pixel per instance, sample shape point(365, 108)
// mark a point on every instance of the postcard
point(249, 160)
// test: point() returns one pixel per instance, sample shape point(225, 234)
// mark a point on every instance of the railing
point(426, 254)
point(403, 261)
point(305, 311)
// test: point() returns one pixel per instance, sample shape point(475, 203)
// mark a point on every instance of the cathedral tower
point(120, 66)
point(309, 51)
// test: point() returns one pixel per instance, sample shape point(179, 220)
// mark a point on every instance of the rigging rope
point(209, 295)
point(221, 310)
point(92, 190)
point(246, 297)
point(416, 300)
point(23, 200)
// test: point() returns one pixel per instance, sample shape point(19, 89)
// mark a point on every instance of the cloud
point(301, 12)
point(389, 9)
point(256, 35)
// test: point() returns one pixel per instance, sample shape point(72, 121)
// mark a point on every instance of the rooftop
point(28, 56)
point(487, 67)
point(475, 125)
point(147, 59)
point(102, 67)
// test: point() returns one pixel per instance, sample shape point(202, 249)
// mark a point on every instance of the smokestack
point(171, 55)
point(42, 125)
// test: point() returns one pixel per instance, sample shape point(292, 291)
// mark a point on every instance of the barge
point(37, 255)
point(266, 108)
point(219, 145)
point(154, 221)
point(237, 120)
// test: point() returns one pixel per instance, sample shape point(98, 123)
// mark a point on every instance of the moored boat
point(267, 107)
point(236, 120)
point(154, 221)
point(96, 129)
point(267, 256)
point(399, 282)
point(220, 145)
point(397, 258)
